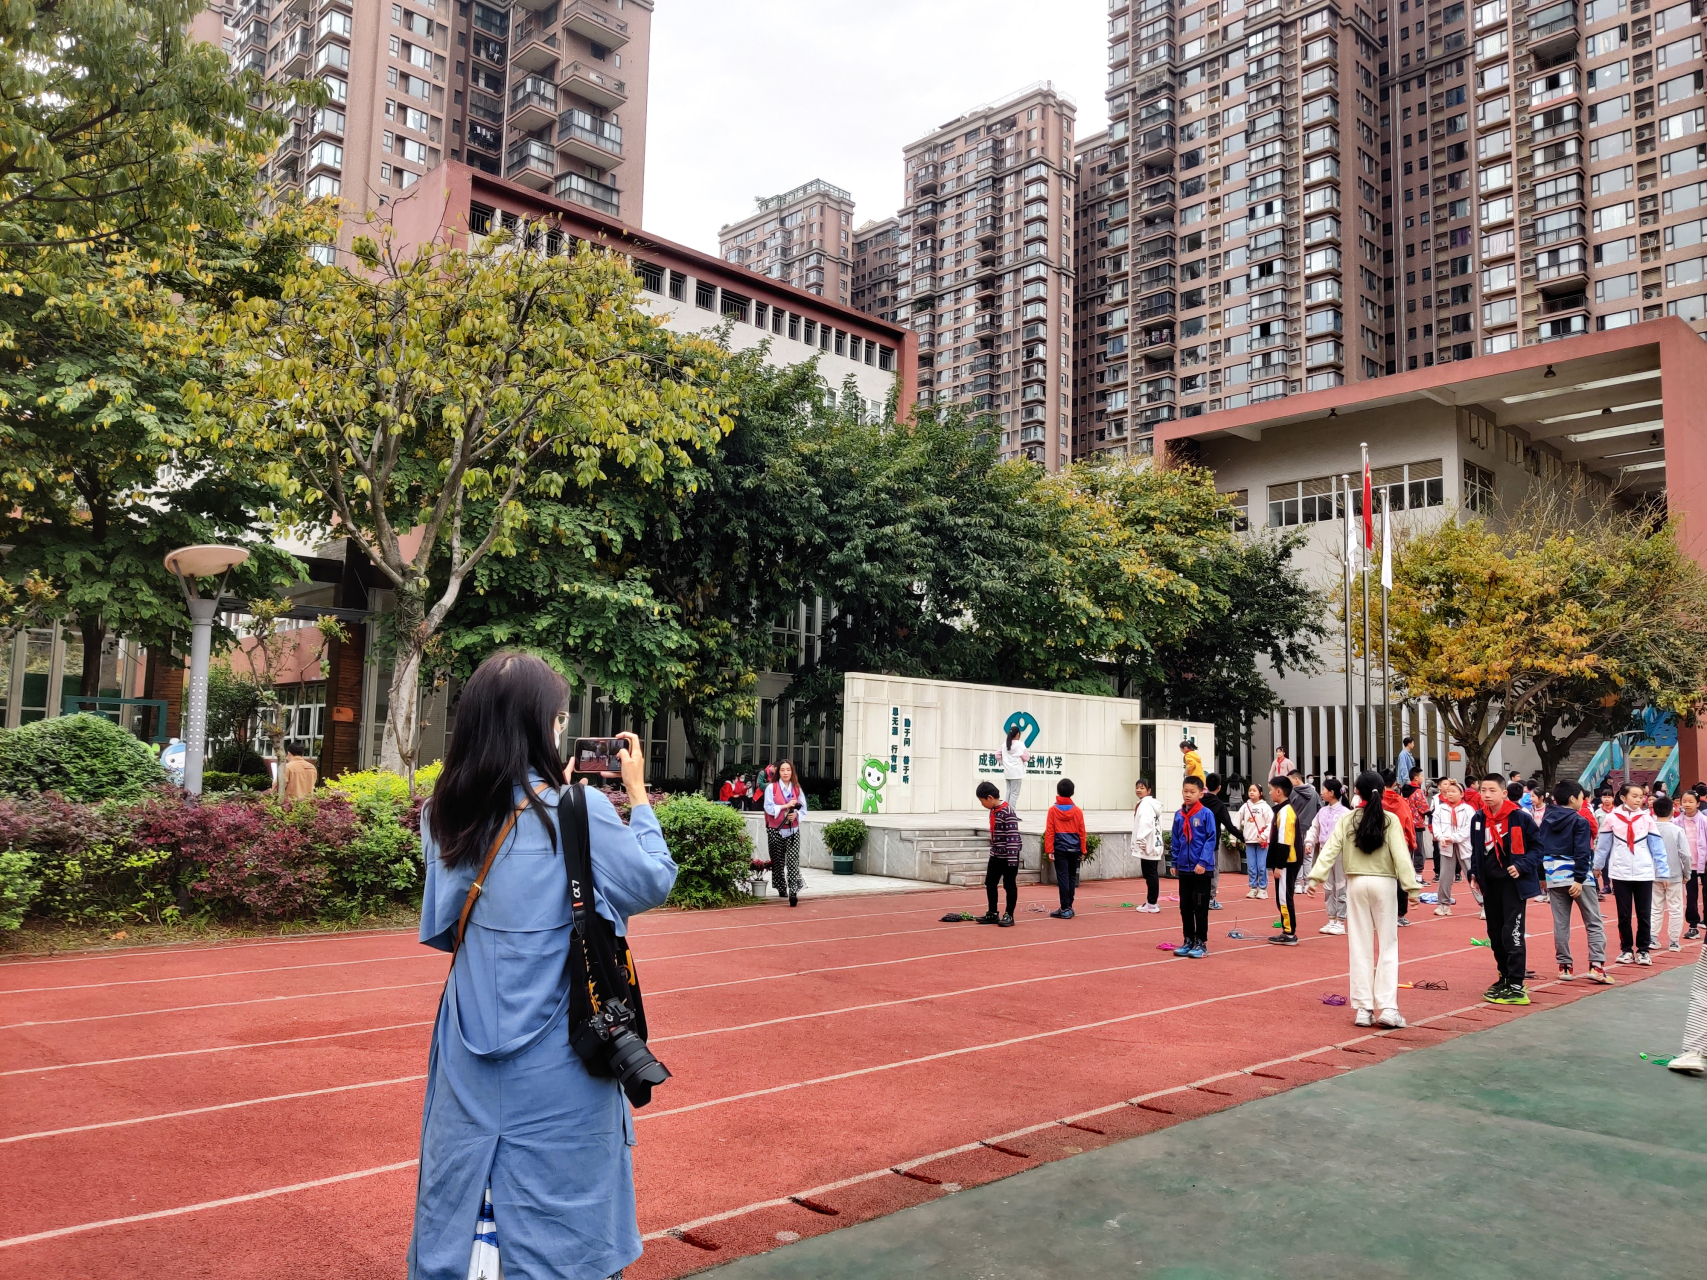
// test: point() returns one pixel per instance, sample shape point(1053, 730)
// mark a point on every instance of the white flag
point(1350, 543)
point(1386, 551)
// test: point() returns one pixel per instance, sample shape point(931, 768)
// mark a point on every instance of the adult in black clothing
point(1215, 800)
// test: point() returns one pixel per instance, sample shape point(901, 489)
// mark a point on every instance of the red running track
point(254, 1108)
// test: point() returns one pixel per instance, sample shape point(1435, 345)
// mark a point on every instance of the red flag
point(1368, 510)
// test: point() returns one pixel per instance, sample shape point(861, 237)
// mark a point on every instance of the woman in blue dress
point(509, 1105)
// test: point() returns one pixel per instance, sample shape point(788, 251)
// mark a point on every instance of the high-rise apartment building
point(1548, 164)
point(802, 237)
point(1233, 228)
point(876, 254)
point(550, 95)
point(984, 267)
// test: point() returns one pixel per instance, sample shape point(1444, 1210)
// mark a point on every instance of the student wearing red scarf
point(1400, 808)
point(1505, 860)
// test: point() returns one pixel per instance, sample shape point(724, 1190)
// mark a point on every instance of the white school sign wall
point(923, 746)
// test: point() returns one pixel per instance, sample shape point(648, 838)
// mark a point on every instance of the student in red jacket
point(1064, 844)
point(1400, 808)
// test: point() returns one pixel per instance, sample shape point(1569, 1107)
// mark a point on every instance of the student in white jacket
point(1668, 888)
point(1147, 843)
point(1630, 849)
point(1256, 819)
point(1449, 823)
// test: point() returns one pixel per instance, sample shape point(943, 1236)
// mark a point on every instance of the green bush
point(82, 757)
point(18, 887)
point(711, 848)
point(243, 761)
point(214, 780)
point(382, 784)
point(845, 836)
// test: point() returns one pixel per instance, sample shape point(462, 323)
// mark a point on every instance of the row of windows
point(1408, 486)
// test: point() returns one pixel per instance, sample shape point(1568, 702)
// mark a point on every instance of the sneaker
point(1693, 932)
point(1006, 922)
point(989, 917)
point(1391, 1019)
point(1404, 922)
point(1250, 893)
point(1214, 905)
point(1494, 990)
point(1508, 995)
point(1442, 911)
point(1624, 957)
point(1285, 939)
point(1198, 952)
point(1061, 914)
point(1599, 975)
point(1672, 946)
point(1183, 950)
point(1067, 914)
point(1481, 915)
point(1262, 893)
point(1644, 959)
point(1565, 974)
point(1335, 926)
point(1364, 1019)
point(1691, 1062)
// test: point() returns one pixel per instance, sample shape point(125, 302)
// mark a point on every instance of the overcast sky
point(753, 97)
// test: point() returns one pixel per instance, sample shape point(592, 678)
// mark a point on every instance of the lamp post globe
point(190, 563)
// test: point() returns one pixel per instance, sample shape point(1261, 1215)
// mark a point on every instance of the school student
point(1668, 888)
point(1147, 843)
point(1194, 841)
point(1255, 817)
point(1315, 840)
point(1629, 848)
point(1566, 840)
point(1064, 845)
point(1396, 804)
point(1694, 826)
point(1504, 862)
point(1370, 844)
point(1003, 867)
point(1216, 803)
point(1284, 858)
point(1451, 822)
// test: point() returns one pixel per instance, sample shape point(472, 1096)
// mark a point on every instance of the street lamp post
point(190, 563)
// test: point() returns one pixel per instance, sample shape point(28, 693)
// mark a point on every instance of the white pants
point(1372, 930)
point(1668, 897)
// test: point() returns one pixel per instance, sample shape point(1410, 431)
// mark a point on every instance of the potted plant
point(844, 838)
point(761, 872)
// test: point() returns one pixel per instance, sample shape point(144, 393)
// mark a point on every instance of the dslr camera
point(608, 1045)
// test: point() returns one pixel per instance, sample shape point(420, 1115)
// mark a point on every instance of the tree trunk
point(94, 637)
point(1553, 751)
point(700, 746)
point(400, 743)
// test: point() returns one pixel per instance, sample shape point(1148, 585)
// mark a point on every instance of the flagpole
point(1364, 760)
point(1386, 669)
point(1349, 735)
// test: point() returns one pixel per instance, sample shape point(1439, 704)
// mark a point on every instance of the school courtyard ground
point(862, 1089)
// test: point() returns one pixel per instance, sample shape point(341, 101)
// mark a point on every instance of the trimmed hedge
point(83, 757)
point(711, 848)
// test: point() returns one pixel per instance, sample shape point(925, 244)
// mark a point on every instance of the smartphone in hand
point(597, 756)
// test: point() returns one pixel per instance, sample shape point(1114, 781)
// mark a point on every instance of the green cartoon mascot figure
point(872, 775)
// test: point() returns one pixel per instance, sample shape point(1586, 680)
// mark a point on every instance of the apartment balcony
point(1553, 28)
point(586, 81)
point(586, 137)
point(531, 163)
point(533, 105)
point(1569, 276)
point(589, 20)
point(1573, 231)
point(1564, 129)
point(986, 324)
point(1161, 304)
point(535, 46)
point(1564, 305)
point(584, 190)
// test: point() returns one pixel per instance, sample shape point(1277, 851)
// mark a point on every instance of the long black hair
point(505, 732)
point(1371, 831)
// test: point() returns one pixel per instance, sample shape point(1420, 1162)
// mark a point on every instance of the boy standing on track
point(1194, 843)
point(1505, 862)
point(1003, 868)
point(1285, 856)
point(1064, 844)
point(1565, 840)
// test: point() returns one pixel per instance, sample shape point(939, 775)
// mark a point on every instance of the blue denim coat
point(508, 1104)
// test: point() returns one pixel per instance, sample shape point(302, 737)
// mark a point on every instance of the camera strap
point(601, 963)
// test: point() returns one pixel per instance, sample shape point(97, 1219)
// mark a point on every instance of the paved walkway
point(1543, 1148)
point(817, 882)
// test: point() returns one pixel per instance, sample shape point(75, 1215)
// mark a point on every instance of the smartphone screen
point(597, 755)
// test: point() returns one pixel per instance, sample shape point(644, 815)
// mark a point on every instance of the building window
point(1478, 489)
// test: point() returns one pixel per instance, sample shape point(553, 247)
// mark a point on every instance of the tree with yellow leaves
point(415, 401)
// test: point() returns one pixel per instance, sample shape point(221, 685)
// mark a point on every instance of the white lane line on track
point(198, 1111)
point(424, 954)
point(219, 1048)
point(57, 1232)
point(148, 950)
point(218, 1004)
point(916, 1161)
point(1010, 1042)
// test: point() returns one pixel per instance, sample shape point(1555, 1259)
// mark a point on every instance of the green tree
point(416, 401)
point(127, 166)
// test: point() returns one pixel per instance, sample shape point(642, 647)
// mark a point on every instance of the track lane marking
point(218, 1004)
point(199, 1111)
point(221, 1048)
point(230, 973)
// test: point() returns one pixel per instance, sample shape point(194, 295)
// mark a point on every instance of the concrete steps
point(961, 856)
point(975, 876)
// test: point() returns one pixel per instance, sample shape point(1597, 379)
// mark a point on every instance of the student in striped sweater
point(1003, 868)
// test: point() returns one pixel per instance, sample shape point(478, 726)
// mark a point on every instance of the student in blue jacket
point(1195, 836)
